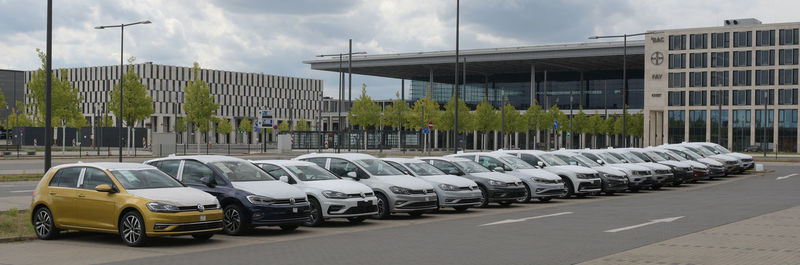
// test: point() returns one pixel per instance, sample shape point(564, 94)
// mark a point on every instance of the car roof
point(108, 165)
point(402, 160)
point(284, 162)
point(348, 156)
point(201, 158)
point(480, 153)
point(446, 158)
point(533, 152)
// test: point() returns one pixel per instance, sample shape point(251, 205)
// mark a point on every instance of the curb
point(17, 239)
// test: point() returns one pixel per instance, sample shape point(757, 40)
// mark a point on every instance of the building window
point(720, 40)
point(698, 41)
point(720, 59)
point(787, 130)
point(760, 124)
point(787, 76)
point(719, 131)
point(765, 77)
point(677, 123)
point(677, 42)
point(698, 60)
point(788, 37)
point(787, 57)
point(677, 98)
point(741, 129)
point(742, 58)
point(677, 80)
point(719, 97)
point(765, 57)
point(741, 97)
point(743, 39)
point(697, 98)
point(677, 61)
point(697, 126)
point(742, 78)
point(765, 38)
point(720, 78)
point(698, 79)
point(787, 96)
point(761, 93)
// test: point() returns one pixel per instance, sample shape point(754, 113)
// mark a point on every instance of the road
point(563, 232)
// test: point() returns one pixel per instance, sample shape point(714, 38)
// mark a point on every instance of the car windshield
point(701, 151)
point(585, 161)
point(711, 149)
point(641, 155)
point(241, 171)
point(722, 150)
point(608, 158)
point(689, 154)
point(674, 155)
point(569, 160)
point(553, 160)
point(311, 173)
point(516, 162)
point(377, 167)
point(471, 167)
point(631, 158)
point(144, 179)
point(654, 156)
point(424, 169)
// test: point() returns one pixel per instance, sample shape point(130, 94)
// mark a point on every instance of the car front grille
point(197, 226)
point(358, 195)
point(195, 208)
point(288, 201)
point(662, 171)
point(415, 205)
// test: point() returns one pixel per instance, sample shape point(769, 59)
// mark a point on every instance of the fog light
point(399, 202)
point(539, 190)
point(636, 179)
point(450, 200)
point(160, 227)
point(335, 208)
point(257, 215)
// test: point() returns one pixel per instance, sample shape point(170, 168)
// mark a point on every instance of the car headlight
point(540, 180)
point(334, 194)
point(260, 200)
point(448, 187)
point(496, 183)
point(585, 176)
point(161, 207)
point(400, 190)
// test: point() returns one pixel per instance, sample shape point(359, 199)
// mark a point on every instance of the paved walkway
point(767, 239)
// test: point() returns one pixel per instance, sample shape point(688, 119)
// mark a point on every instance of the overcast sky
point(276, 36)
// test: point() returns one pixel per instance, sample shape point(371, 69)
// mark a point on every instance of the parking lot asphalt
point(561, 232)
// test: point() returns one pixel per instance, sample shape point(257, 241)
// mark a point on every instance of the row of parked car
point(201, 195)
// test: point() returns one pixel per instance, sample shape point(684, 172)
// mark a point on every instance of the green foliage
point(395, 114)
point(180, 125)
point(65, 97)
point(224, 126)
point(594, 124)
point(447, 118)
point(486, 118)
point(617, 129)
point(534, 117)
point(414, 119)
point(302, 125)
point(365, 112)
point(245, 125)
point(200, 106)
point(20, 119)
point(513, 120)
point(636, 125)
point(553, 114)
point(580, 122)
point(2, 99)
point(283, 126)
point(137, 104)
point(608, 125)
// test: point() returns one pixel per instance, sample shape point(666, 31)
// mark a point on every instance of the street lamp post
point(764, 138)
point(121, 72)
point(624, 75)
point(341, 93)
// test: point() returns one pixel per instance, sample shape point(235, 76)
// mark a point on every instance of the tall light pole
point(341, 93)
point(766, 103)
point(455, 83)
point(624, 75)
point(48, 90)
point(121, 74)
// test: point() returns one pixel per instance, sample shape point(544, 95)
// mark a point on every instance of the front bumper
point(610, 184)
point(413, 203)
point(459, 198)
point(639, 181)
point(280, 214)
point(589, 186)
point(698, 174)
point(352, 207)
point(716, 172)
point(548, 190)
point(180, 223)
point(748, 164)
point(505, 194)
point(682, 176)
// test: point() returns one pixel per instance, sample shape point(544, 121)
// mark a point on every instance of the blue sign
point(426, 130)
point(555, 125)
point(256, 128)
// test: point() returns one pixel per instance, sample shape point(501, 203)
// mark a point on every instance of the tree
point(415, 120)
point(20, 119)
point(555, 114)
point(365, 112)
point(302, 125)
point(283, 126)
point(580, 124)
point(485, 120)
point(534, 118)
point(137, 104)
point(65, 96)
point(180, 127)
point(244, 127)
point(200, 106)
point(512, 121)
point(636, 125)
point(395, 114)
point(2, 99)
point(594, 126)
point(447, 118)
point(224, 127)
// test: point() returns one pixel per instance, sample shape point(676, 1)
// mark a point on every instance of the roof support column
point(486, 87)
point(430, 84)
point(533, 84)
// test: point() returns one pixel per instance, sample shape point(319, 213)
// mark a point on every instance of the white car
point(457, 192)
point(614, 180)
point(732, 164)
point(715, 167)
point(699, 170)
point(539, 183)
point(639, 177)
point(496, 187)
point(330, 196)
point(747, 160)
point(578, 180)
point(681, 171)
point(396, 192)
point(662, 173)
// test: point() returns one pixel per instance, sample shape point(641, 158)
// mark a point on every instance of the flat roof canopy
point(562, 57)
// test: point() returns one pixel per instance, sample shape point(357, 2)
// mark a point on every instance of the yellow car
point(134, 200)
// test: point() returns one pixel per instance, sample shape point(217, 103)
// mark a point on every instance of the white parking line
point(21, 191)
point(786, 177)
point(665, 220)
point(508, 221)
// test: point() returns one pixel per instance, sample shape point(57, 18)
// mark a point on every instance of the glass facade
point(719, 133)
point(759, 124)
point(677, 123)
point(697, 126)
point(741, 129)
point(787, 130)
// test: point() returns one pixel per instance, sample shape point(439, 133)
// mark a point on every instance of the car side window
point(399, 167)
point(170, 167)
point(277, 172)
point(193, 171)
point(320, 161)
point(67, 177)
point(93, 177)
point(446, 167)
point(591, 156)
point(340, 167)
point(489, 162)
point(530, 159)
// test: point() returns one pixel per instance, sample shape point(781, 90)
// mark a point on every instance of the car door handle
point(52, 193)
point(81, 195)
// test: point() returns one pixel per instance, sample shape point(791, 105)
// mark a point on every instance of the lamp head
point(99, 27)
point(146, 22)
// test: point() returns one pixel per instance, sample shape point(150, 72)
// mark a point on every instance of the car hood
point(630, 166)
point(541, 173)
point(497, 176)
point(675, 163)
point(404, 181)
point(739, 155)
point(448, 179)
point(577, 169)
point(695, 164)
point(340, 185)
point(179, 196)
point(654, 166)
point(609, 170)
point(724, 157)
point(272, 189)
point(710, 161)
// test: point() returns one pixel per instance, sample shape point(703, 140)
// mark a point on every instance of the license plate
point(427, 199)
point(294, 210)
point(202, 218)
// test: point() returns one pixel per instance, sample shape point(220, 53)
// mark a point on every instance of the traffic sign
point(430, 125)
point(266, 118)
point(555, 125)
point(426, 130)
point(256, 128)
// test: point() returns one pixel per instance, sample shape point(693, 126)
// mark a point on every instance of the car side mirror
point(208, 181)
point(105, 188)
point(284, 179)
point(540, 164)
point(353, 175)
point(453, 172)
point(499, 169)
point(600, 161)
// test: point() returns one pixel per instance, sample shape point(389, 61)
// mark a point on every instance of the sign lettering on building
point(656, 76)
point(657, 39)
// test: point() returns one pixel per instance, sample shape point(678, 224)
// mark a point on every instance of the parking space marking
point(786, 177)
point(664, 220)
point(508, 221)
point(21, 191)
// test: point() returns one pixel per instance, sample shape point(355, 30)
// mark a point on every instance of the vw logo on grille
point(291, 200)
point(201, 208)
point(363, 195)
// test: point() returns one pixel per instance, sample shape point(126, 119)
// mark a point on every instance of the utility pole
point(48, 130)
point(455, 83)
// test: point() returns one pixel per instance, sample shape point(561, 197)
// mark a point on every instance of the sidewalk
point(772, 238)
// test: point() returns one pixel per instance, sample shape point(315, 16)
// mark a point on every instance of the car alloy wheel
point(132, 229)
point(383, 207)
point(43, 224)
point(527, 193)
point(315, 217)
point(232, 220)
point(484, 197)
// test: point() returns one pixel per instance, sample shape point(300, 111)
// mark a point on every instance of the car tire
point(132, 229)
point(233, 220)
point(383, 207)
point(416, 213)
point(634, 190)
point(484, 197)
point(609, 193)
point(289, 228)
point(570, 188)
point(315, 217)
point(461, 208)
point(527, 197)
point(504, 204)
point(356, 219)
point(203, 236)
point(43, 225)
point(544, 199)
point(656, 187)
